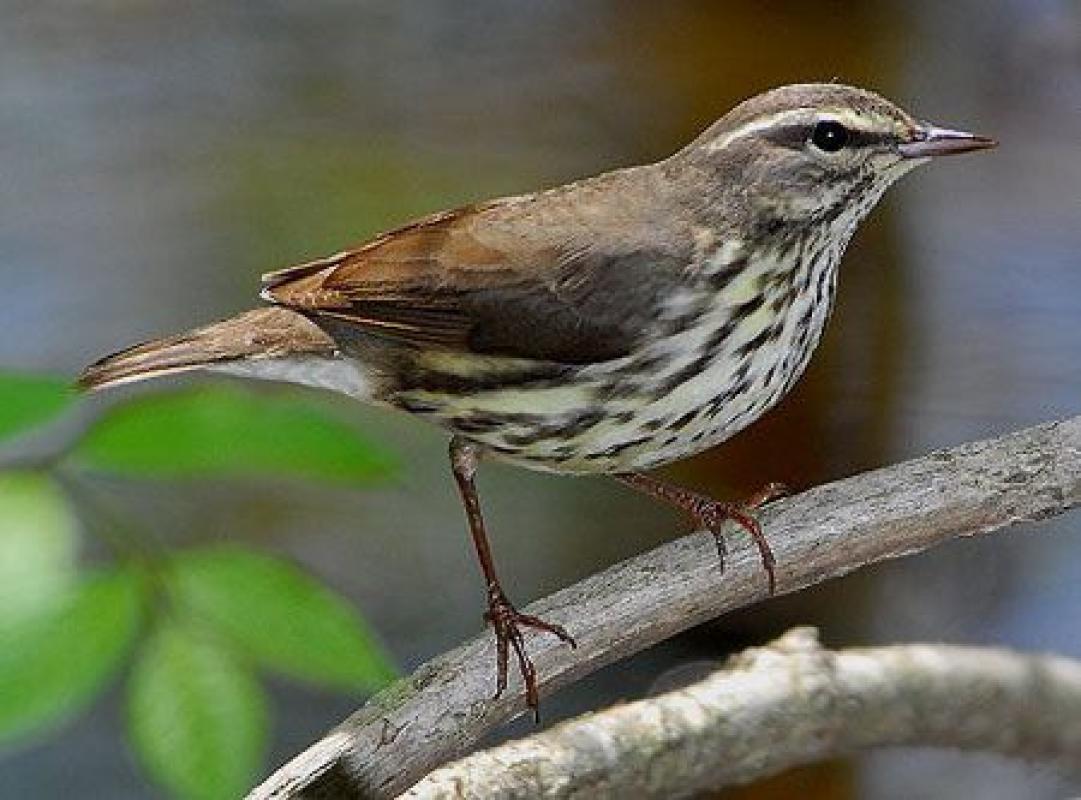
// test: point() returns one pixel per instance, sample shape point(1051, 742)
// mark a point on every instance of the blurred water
point(155, 158)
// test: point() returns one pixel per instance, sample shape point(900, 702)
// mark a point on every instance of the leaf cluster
point(191, 630)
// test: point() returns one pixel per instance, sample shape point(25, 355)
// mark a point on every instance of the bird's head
point(816, 153)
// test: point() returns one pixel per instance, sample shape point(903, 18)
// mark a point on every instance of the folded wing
point(548, 277)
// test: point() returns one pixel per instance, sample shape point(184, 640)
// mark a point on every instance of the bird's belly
point(722, 401)
point(623, 419)
point(714, 405)
point(698, 396)
point(681, 394)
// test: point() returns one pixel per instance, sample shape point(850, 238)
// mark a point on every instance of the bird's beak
point(931, 141)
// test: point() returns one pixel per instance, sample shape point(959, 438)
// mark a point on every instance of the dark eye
point(829, 136)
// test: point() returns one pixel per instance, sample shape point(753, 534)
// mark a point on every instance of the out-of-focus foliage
point(54, 662)
point(226, 431)
point(38, 545)
point(282, 618)
point(29, 400)
point(197, 713)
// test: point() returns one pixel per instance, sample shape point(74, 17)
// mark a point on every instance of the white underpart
point(338, 373)
point(776, 366)
point(786, 355)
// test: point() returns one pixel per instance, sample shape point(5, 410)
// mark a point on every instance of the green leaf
point(224, 430)
point(197, 716)
point(53, 664)
point(38, 544)
point(27, 400)
point(282, 617)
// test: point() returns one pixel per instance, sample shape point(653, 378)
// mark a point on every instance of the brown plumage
point(609, 325)
point(563, 275)
point(265, 333)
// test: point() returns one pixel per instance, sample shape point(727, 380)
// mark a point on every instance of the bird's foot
point(711, 515)
point(507, 623)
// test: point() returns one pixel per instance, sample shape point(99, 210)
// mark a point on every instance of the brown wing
point(553, 279)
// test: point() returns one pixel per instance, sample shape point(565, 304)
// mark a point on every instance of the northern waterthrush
point(606, 326)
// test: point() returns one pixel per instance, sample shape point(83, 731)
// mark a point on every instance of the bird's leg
point(711, 514)
point(505, 619)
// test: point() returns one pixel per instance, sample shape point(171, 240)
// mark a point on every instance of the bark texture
point(787, 704)
point(446, 705)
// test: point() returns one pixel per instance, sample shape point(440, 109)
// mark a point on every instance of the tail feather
point(255, 335)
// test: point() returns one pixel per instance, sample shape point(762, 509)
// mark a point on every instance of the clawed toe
point(712, 514)
point(767, 494)
point(507, 623)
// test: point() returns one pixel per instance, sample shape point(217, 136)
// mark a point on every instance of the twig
point(41, 448)
point(440, 711)
point(790, 703)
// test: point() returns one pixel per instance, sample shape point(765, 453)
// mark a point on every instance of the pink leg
point(711, 514)
point(505, 619)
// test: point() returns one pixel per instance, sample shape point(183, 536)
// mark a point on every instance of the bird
point(608, 326)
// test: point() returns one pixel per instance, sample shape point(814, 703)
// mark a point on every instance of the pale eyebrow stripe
point(759, 125)
point(781, 118)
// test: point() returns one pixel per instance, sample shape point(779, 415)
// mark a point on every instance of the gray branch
point(780, 706)
point(441, 710)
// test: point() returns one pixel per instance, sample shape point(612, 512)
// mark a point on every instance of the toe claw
point(722, 546)
point(711, 514)
point(507, 623)
point(767, 494)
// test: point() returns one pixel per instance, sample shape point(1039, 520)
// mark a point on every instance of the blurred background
point(156, 157)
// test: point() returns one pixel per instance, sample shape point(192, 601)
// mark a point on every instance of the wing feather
point(544, 277)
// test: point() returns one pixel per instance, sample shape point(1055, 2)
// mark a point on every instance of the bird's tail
point(265, 333)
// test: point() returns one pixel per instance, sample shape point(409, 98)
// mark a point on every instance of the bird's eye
point(829, 136)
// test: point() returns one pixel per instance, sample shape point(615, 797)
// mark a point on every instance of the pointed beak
point(930, 141)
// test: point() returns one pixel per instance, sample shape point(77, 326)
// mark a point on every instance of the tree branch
point(790, 703)
point(441, 710)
